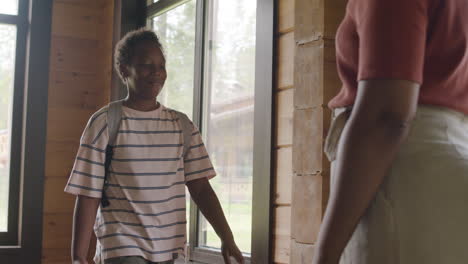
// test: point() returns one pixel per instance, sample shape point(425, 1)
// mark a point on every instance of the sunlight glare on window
point(9, 7)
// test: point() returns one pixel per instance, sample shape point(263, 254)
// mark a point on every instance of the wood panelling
point(55, 199)
point(334, 13)
point(306, 212)
point(284, 122)
point(60, 156)
point(308, 75)
point(286, 16)
point(285, 53)
point(284, 113)
point(308, 141)
point(282, 234)
point(301, 253)
point(76, 90)
point(76, 21)
point(74, 54)
point(57, 230)
point(79, 84)
point(284, 175)
point(309, 20)
point(67, 123)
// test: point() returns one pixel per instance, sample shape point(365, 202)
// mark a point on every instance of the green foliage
point(176, 30)
point(7, 62)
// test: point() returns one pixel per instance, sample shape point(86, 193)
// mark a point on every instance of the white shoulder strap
point(186, 130)
point(114, 116)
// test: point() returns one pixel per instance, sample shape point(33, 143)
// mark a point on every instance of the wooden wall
point(306, 81)
point(79, 84)
point(284, 105)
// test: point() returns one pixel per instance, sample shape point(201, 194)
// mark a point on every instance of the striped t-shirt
point(146, 190)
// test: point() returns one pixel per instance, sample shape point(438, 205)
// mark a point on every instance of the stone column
point(315, 82)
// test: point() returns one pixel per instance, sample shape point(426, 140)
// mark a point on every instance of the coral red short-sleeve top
point(425, 41)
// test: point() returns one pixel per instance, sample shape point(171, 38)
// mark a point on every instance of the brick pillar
point(315, 82)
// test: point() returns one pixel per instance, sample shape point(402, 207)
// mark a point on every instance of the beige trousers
point(420, 213)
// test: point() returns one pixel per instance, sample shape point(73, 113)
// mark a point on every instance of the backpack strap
point(186, 130)
point(114, 117)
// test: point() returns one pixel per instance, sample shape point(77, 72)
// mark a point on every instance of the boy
point(145, 220)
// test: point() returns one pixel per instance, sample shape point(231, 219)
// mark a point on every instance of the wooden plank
point(282, 234)
point(282, 220)
point(308, 75)
point(286, 15)
point(67, 124)
point(57, 240)
point(308, 141)
point(74, 54)
point(57, 230)
point(81, 3)
point(55, 199)
point(60, 157)
point(306, 208)
point(284, 117)
point(78, 90)
point(79, 21)
point(56, 256)
point(309, 20)
point(286, 49)
point(281, 252)
point(284, 175)
point(334, 14)
point(301, 253)
point(106, 48)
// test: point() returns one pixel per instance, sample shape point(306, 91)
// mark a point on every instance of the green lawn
point(240, 220)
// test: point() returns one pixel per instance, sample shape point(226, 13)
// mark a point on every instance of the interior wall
point(79, 84)
point(80, 77)
point(284, 105)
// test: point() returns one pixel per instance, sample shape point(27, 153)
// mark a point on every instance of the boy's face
point(146, 73)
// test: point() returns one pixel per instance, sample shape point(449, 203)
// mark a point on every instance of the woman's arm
point(379, 123)
point(207, 201)
point(83, 221)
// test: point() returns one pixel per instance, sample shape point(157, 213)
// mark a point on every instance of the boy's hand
point(230, 249)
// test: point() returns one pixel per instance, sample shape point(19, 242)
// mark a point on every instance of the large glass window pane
point(228, 115)
point(9, 7)
point(176, 30)
point(7, 67)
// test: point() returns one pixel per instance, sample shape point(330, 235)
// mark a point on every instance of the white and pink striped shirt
point(147, 215)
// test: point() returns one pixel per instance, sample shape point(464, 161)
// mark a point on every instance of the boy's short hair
point(125, 47)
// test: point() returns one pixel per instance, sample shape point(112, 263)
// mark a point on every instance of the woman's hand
point(229, 249)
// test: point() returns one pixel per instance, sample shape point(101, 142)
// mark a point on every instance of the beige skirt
point(420, 213)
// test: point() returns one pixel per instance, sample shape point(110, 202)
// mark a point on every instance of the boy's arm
point(83, 221)
point(207, 201)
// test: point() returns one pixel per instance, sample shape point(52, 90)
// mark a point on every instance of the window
point(24, 57)
point(228, 115)
point(213, 70)
point(9, 146)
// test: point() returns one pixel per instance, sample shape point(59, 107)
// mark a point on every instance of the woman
point(400, 178)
